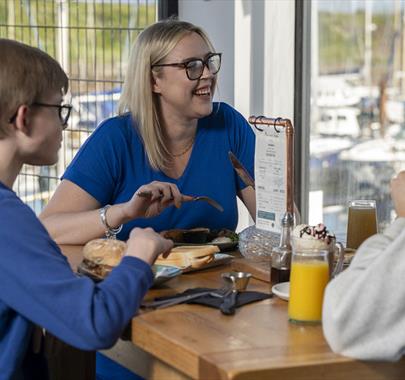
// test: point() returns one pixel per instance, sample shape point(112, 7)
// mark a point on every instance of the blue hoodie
point(37, 286)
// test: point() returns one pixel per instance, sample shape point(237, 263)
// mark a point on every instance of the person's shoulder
point(17, 213)
point(225, 119)
point(225, 107)
point(222, 109)
point(11, 204)
point(6, 193)
point(226, 112)
point(116, 129)
point(123, 123)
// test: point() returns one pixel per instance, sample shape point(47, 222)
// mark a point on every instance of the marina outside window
point(357, 107)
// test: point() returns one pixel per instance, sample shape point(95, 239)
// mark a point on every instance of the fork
point(210, 201)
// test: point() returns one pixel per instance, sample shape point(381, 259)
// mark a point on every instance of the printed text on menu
point(270, 178)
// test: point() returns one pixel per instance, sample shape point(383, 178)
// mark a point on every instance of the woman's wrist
point(125, 212)
point(112, 218)
point(110, 229)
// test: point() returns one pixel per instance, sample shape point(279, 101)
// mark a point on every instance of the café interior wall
point(256, 38)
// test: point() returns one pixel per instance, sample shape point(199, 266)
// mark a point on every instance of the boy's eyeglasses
point(63, 111)
point(195, 67)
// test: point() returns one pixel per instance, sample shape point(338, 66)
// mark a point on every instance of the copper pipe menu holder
point(281, 255)
point(289, 131)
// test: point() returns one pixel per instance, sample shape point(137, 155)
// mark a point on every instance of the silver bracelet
point(110, 232)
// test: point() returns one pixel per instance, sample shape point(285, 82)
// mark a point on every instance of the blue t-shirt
point(38, 286)
point(112, 165)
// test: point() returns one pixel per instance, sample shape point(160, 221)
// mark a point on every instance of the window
point(357, 108)
point(91, 39)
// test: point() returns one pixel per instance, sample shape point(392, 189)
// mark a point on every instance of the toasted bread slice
point(193, 256)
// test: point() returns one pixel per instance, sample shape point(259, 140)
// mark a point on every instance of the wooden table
point(258, 342)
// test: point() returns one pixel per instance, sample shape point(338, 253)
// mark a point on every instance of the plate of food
point(100, 256)
point(224, 239)
point(194, 257)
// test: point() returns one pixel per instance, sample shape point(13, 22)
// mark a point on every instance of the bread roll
point(104, 251)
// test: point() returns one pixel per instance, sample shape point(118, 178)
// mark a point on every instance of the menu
point(270, 178)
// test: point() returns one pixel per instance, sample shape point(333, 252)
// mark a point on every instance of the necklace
point(186, 149)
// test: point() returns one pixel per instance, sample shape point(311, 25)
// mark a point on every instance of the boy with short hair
point(37, 285)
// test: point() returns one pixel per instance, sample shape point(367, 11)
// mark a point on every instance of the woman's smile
point(203, 91)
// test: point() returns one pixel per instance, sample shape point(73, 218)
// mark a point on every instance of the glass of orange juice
point(309, 277)
point(361, 223)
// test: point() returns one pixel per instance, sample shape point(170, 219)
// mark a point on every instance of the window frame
point(302, 105)
point(167, 8)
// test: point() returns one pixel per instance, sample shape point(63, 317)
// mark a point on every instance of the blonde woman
point(169, 139)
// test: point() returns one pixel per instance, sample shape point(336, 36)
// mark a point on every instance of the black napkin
point(242, 298)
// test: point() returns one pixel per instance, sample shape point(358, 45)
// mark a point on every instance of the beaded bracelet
point(110, 232)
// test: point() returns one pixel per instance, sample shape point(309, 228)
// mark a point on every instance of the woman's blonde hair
point(150, 48)
point(27, 74)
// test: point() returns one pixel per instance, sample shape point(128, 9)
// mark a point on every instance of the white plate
point(163, 273)
point(282, 290)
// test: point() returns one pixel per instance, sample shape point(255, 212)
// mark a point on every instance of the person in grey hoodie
point(364, 307)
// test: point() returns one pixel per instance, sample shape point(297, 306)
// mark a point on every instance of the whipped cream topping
point(318, 232)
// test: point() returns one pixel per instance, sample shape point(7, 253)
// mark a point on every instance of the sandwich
point(194, 256)
point(100, 256)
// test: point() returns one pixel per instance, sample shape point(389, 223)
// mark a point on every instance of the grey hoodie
point(364, 307)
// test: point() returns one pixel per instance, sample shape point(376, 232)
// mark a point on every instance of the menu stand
point(281, 255)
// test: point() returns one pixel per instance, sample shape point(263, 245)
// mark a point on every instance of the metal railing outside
point(91, 39)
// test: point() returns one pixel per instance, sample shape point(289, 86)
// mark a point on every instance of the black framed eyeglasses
point(195, 67)
point(64, 111)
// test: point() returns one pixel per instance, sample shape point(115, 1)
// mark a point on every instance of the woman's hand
point(398, 193)
point(162, 195)
point(147, 245)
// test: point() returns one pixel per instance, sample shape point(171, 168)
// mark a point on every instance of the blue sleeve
point(97, 166)
point(241, 140)
point(37, 282)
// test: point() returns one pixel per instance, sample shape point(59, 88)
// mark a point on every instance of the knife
point(241, 171)
point(160, 304)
